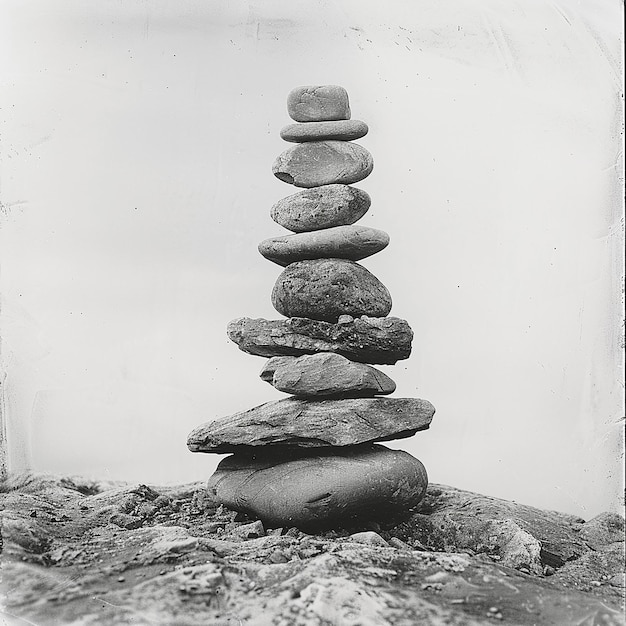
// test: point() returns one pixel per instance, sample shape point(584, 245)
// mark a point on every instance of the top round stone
point(318, 103)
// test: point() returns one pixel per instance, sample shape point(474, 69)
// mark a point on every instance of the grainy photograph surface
point(311, 312)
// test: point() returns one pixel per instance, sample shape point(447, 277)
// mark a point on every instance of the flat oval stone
point(340, 242)
point(325, 375)
point(301, 423)
point(384, 340)
point(340, 130)
point(321, 207)
point(323, 163)
point(324, 289)
point(317, 103)
point(322, 490)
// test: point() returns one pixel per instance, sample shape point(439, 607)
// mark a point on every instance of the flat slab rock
point(324, 375)
point(350, 242)
point(323, 163)
point(377, 340)
point(186, 560)
point(325, 289)
point(321, 207)
point(340, 130)
point(315, 103)
point(296, 422)
point(321, 490)
point(519, 536)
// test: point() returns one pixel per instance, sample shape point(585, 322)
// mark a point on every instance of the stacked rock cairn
point(310, 460)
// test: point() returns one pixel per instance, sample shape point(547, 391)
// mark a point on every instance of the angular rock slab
point(523, 536)
point(341, 130)
point(321, 207)
point(325, 289)
point(340, 242)
point(295, 422)
point(323, 163)
point(324, 490)
point(378, 340)
point(325, 375)
point(317, 103)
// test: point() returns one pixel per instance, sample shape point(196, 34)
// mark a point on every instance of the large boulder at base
point(323, 163)
point(318, 103)
point(325, 375)
point(340, 130)
point(321, 490)
point(325, 289)
point(295, 422)
point(378, 340)
point(340, 242)
point(321, 207)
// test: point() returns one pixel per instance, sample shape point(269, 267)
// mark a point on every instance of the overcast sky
point(137, 144)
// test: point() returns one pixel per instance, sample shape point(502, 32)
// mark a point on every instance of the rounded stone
point(321, 207)
point(324, 289)
point(340, 130)
point(325, 375)
point(317, 491)
point(323, 163)
point(318, 103)
point(340, 242)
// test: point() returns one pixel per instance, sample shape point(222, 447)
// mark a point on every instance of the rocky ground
point(79, 552)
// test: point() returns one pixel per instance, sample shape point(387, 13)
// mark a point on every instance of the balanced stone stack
point(310, 460)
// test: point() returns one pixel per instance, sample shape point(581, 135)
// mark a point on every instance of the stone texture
point(188, 566)
point(321, 207)
point(602, 530)
point(321, 490)
point(340, 130)
point(323, 163)
point(514, 534)
point(369, 538)
point(248, 531)
point(316, 103)
point(340, 242)
point(294, 422)
point(324, 289)
point(595, 568)
point(325, 374)
point(378, 340)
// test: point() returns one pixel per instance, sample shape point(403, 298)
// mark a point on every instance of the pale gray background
point(137, 144)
